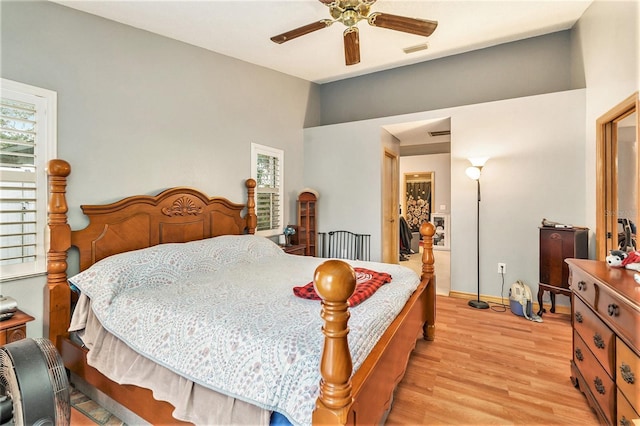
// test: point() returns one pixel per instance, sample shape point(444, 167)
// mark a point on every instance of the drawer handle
point(624, 421)
point(579, 355)
point(599, 342)
point(579, 317)
point(599, 386)
point(626, 373)
point(613, 310)
point(582, 286)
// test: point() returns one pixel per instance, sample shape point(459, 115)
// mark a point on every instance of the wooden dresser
point(606, 339)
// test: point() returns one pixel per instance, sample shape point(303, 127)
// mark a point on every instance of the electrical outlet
point(502, 268)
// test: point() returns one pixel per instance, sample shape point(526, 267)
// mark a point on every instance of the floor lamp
point(474, 173)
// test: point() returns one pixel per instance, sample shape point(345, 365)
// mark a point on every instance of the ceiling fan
point(350, 12)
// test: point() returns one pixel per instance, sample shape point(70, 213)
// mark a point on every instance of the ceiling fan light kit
point(349, 13)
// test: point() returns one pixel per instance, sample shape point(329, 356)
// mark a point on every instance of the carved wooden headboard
point(176, 215)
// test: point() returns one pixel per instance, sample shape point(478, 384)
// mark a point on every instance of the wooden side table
point(15, 328)
point(297, 249)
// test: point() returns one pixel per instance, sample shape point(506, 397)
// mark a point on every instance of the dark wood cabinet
point(556, 245)
point(307, 231)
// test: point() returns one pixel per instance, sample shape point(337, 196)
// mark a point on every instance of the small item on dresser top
point(623, 259)
point(8, 306)
point(551, 224)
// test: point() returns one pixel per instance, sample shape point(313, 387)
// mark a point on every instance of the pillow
point(166, 264)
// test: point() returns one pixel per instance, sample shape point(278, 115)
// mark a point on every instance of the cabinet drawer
point(16, 333)
point(625, 412)
point(595, 333)
point(628, 373)
point(583, 285)
point(600, 385)
point(624, 319)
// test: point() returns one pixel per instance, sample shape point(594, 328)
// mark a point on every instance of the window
point(267, 168)
point(27, 142)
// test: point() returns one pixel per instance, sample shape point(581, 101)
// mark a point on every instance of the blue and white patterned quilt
point(221, 312)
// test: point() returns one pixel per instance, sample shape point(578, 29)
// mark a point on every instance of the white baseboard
point(560, 309)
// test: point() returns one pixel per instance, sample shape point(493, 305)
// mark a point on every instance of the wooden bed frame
point(185, 214)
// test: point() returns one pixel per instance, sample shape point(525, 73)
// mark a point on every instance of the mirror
point(617, 177)
point(417, 202)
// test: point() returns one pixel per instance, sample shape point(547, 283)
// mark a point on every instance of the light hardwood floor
point(491, 368)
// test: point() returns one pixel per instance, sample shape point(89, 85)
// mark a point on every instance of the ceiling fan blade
point(421, 27)
point(306, 29)
point(351, 46)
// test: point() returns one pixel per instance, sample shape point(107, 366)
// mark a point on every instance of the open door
point(390, 206)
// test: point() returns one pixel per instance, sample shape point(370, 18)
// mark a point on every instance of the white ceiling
point(242, 28)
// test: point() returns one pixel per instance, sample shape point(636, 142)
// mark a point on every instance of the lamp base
point(478, 304)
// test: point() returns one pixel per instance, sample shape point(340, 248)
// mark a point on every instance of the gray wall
point(138, 113)
point(527, 67)
point(530, 175)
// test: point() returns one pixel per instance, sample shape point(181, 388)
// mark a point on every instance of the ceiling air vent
point(440, 133)
point(416, 48)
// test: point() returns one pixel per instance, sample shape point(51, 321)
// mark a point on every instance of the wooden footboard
point(366, 397)
point(185, 214)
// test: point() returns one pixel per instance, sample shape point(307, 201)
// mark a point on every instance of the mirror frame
point(415, 177)
point(607, 172)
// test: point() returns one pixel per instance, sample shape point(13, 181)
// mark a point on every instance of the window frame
point(273, 152)
point(46, 102)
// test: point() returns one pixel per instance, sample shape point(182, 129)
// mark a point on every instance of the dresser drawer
point(600, 385)
point(595, 333)
point(583, 285)
point(624, 319)
point(625, 412)
point(628, 373)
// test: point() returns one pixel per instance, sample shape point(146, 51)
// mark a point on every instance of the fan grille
point(9, 381)
point(58, 378)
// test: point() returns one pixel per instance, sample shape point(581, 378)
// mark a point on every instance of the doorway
point(425, 150)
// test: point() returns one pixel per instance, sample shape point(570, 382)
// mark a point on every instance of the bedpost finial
point(250, 183)
point(427, 229)
point(57, 167)
point(334, 281)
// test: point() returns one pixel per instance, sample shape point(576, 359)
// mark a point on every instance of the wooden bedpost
point(334, 282)
point(57, 295)
point(427, 230)
point(252, 219)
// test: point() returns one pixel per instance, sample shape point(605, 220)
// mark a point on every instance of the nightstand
point(297, 249)
point(15, 328)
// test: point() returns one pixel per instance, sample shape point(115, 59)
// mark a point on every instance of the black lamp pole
point(479, 304)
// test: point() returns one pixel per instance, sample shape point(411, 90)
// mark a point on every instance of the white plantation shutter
point(267, 169)
point(27, 142)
